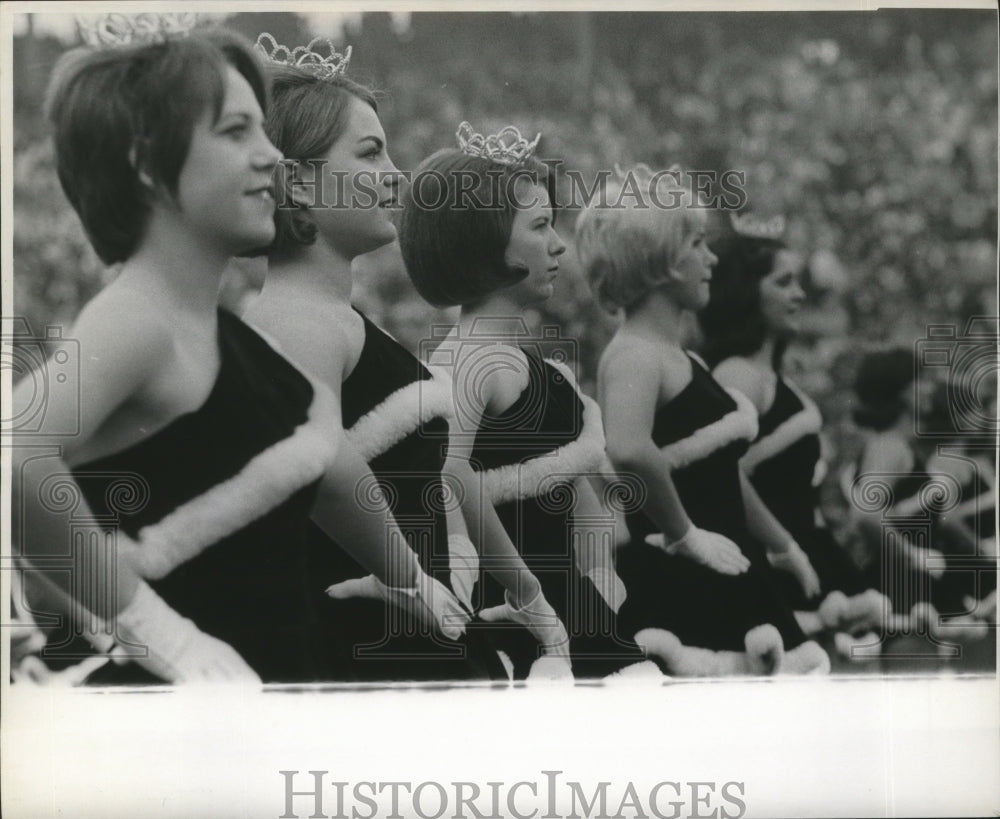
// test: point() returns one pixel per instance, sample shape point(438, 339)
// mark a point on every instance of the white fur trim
point(806, 421)
point(740, 424)
point(585, 454)
point(402, 412)
point(698, 358)
point(266, 481)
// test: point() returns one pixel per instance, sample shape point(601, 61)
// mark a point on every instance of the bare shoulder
point(754, 381)
point(322, 338)
point(120, 331)
point(631, 366)
point(492, 374)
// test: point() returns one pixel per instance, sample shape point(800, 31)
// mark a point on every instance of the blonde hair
point(630, 237)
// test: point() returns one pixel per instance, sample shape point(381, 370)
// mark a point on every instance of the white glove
point(176, 649)
point(610, 586)
point(711, 549)
point(538, 617)
point(430, 601)
point(550, 668)
point(794, 561)
point(464, 562)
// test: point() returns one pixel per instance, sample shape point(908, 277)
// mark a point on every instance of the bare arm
point(763, 525)
point(628, 392)
point(501, 558)
point(118, 350)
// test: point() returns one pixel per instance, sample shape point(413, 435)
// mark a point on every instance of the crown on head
point(115, 30)
point(753, 228)
point(323, 66)
point(506, 147)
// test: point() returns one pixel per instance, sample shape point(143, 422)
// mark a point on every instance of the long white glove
point(430, 601)
point(610, 586)
point(464, 563)
point(794, 561)
point(176, 649)
point(711, 549)
point(538, 617)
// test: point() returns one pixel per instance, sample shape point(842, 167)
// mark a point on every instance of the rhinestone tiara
point(753, 228)
point(324, 65)
point(506, 147)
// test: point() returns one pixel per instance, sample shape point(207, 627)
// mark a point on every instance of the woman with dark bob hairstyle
point(698, 562)
point(192, 453)
point(340, 188)
point(478, 231)
point(752, 314)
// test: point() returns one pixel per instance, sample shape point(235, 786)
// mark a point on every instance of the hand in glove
point(430, 601)
point(176, 649)
point(464, 563)
point(710, 549)
point(794, 561)
point(538, 617)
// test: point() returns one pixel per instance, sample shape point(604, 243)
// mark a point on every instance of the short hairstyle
point(307, 116)
point(627, 243)
point(732, 323)
point(456, 223)
point(882, 378)
point(118, 111)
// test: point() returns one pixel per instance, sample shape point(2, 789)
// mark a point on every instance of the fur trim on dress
point(806, 421)
point(583, 455)
point(402, 412)
point(264, 483)
point(740, 424)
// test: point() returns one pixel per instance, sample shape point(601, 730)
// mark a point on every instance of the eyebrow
point(378, 142)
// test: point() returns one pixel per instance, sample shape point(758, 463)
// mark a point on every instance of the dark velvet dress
point(396, 413)
point(703, 431)
point(783, 463)
point(219, 502)
point(529, 456)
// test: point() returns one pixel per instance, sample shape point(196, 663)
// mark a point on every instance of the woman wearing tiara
point(752, 314)
point(396, 410)
point(702, 573)
point(192, 453)
point(534, 438)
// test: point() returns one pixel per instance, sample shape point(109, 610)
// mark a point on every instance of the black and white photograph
point(504, 410)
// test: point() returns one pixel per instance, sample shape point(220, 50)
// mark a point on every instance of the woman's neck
point(174, 266)
point(497, 315)
point(659, 317)
point(315, 271)
point(764, 355)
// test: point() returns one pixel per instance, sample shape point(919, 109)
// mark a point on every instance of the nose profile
point(268, 156)
point(560, 245)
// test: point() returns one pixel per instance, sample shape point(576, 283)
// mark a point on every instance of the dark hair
point(732, 322)
point(118, 111)
point(454, 239)
point(882, 378)
point(307, 116)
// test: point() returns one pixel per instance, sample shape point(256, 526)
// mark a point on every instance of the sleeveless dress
point(529, 456)
point(785, 467)
point(218, 501)
point(396, 413)
point(703, 431)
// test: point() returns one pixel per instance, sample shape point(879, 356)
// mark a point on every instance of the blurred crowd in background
point(874, 134)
